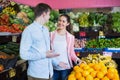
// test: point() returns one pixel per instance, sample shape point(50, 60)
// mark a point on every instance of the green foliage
point(116, 21)
point(83, 20)
point(51, 26)
point(53, 19)
point(97, 19)
point(54, 16)
point(28, 10)
point(103, 43)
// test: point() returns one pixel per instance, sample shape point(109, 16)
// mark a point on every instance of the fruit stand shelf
point(9, 34)
point(6, 37)
point(112, 50)
point(16, 73)
point(84, 51)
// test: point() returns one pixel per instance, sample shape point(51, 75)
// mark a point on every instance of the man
point(35, 46)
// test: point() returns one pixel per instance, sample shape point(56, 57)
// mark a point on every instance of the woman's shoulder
point(52, 32)
point(69, 34)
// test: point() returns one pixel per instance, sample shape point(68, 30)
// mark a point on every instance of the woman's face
point(62, 22)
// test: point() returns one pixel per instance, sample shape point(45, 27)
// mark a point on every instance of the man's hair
point(41, 8)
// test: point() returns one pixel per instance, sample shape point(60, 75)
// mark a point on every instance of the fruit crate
point(16, 73)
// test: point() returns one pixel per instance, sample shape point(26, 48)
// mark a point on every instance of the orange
point(93, 73)
point(82, 65)
point(85, 73)
point(91, 64)
point(103, 70)
point(116, 71)
point(73, 72)
point(71, 77)
point(75, 68)
point(1, 67)
point(105, 78)
point(100, 75)
point(116, 77)
point(96, 79)
point(111, 70)
point(82, 78)
point(85, 67)
point(102, 64)
point(89, 77)
point(90, 70)
point(79, 70)
point(97, 67)
point(78, 75)
point(110, 75)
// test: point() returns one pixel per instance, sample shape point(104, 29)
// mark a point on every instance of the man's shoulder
point(31, 26)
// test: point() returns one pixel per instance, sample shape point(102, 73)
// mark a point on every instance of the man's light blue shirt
point(35, 41)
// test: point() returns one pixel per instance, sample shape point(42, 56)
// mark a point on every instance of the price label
point(12, 73)
point(107, 54)
point(82, 33)
point(14, 38)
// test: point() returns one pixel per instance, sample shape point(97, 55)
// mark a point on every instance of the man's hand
point(51, 54)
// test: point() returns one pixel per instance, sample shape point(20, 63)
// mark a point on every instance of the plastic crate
point(16, 73)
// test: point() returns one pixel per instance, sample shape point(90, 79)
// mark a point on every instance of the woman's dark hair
point(40, 8)
point(69, 28)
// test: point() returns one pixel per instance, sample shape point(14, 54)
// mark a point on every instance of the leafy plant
point(103, 43)
point(83, 20)
point(53, 19)
point(116, 21)
point(97, 19)
point(54, 15)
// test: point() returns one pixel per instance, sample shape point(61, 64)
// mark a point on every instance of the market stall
point(12, 22)
point(97, 34)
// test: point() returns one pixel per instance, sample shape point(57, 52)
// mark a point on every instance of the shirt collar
point(37, 24)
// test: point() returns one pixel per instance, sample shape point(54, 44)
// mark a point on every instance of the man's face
point(47, 16)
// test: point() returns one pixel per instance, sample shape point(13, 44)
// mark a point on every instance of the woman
point(62, 42)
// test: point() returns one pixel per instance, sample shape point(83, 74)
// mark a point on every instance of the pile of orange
point(93, 72)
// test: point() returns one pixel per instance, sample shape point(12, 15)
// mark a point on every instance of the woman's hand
point(80, 61)
point(50, 54)
point(63, 65)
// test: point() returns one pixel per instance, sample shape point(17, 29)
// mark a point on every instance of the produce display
point(52, 24)
point(97, 19)
point(15, 17)
point(97, 58)
point(103, 43)
point(80, 43)
point(10, 48)
point(83, 20)
point(9, 54)
point(115, 21)
point(96, 68)
point(4, 3)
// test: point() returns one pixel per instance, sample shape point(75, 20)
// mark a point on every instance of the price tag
point(12, 73)
point(14, 38)
point(107, 54)
point(82, 33)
